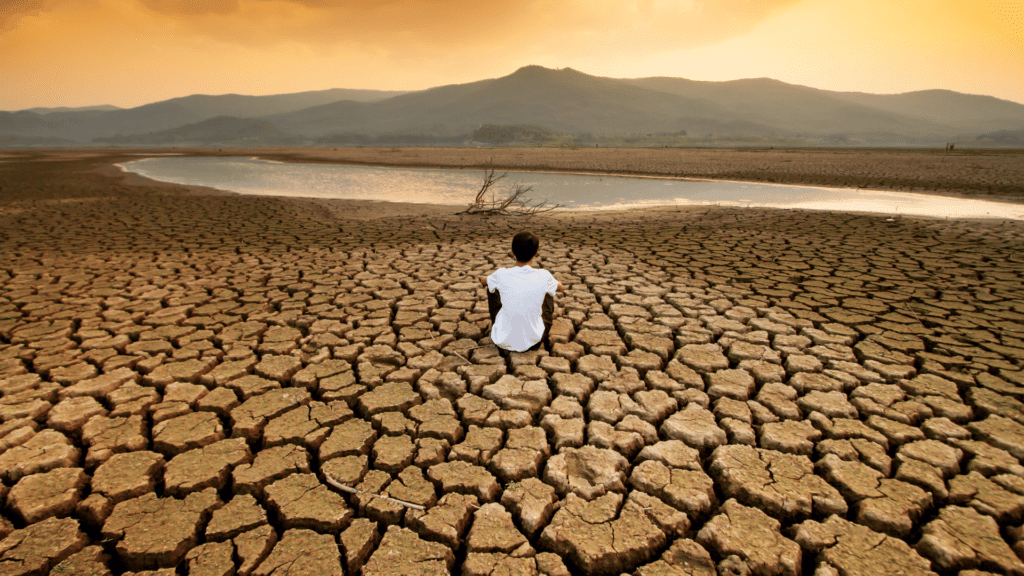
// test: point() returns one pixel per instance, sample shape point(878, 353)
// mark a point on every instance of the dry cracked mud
point(201, 383)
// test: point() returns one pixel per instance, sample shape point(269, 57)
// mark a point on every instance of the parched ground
point(199, 383)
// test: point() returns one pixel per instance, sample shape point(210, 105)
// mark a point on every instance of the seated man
point(521, 299)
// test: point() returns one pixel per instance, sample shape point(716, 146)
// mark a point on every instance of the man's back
point(519, 324)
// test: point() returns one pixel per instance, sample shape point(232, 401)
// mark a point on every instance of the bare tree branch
point(489, 180)
point(512, 204)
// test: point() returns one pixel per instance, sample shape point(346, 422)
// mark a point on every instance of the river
point(573, 191)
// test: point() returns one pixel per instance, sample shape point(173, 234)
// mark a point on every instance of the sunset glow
point(132, 52)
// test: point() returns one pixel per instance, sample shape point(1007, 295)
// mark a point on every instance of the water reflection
point(586, 192)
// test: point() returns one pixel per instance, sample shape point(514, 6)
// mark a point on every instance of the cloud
point(130, 52)
point(649, 26)
point(13, 10)
point(192, 7)
point(411, 28)
point(127, 52)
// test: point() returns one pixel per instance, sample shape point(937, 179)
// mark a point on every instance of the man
point(521, 299)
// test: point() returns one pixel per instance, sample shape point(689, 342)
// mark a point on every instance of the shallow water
point(574, 191)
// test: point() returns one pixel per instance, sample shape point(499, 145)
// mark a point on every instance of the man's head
point(524, 246)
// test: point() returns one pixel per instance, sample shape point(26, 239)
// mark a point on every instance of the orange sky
point(131, 52)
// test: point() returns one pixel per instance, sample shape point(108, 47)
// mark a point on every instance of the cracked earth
point(208, 384)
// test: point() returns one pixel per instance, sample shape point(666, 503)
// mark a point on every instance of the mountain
point(257, 106)
point(797, 108)
point(44, 111)
point(84, 125)
point(569, 101)
point(149, 118)
point(97, 122)
point(560, 100)
point(964, 111)
point(812, 110)
point(1001, 139)
point(25, 123)
point(557, 102)
point(217, 130)
point(48, 141)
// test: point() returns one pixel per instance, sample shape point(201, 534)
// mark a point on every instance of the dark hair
point(524, 246)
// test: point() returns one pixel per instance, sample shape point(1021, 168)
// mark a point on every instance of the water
point(574, 191)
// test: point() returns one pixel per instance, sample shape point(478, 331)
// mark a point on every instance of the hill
point(798, 108)
point(98, 122)
point(45, 111)
point(756, 111)
point(26, 124)
point(962, 111)
point(218, 130)
point(559, 100)
point(998, 139)
point(9, 141)
point(569, 101)
point(258, 106)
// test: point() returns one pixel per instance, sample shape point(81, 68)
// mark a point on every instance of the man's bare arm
point(560, 288)
point(483, 280)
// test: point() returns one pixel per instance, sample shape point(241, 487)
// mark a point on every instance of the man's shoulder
point(522, 273)
point(499, 276)
point(534, 272)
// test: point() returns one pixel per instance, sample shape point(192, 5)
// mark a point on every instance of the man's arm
point(483, 280)
point(558, 285)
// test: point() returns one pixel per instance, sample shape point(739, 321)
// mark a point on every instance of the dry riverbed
point(213, 384)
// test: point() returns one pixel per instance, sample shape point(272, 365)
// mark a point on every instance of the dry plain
point(194, 382)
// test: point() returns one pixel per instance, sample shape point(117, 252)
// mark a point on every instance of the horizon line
point(401, 92)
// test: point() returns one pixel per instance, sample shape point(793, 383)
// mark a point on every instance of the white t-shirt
point(519, 325)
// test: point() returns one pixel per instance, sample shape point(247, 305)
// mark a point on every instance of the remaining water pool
point(574, 191)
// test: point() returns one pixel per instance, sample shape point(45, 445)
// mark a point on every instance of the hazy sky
point(131, 52)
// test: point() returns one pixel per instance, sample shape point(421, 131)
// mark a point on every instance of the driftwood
point(911, 310)
point(351, 490)
point(512, 204)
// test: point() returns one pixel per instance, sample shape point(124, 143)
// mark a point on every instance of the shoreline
point(105, 162)
point(731, 165)
point(996, 175)
point(129, 178)
point(401, 208)
point(655, 204)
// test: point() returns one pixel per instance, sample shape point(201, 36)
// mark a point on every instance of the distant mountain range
point(99, 122)
point(564, 105)
point(215, 130)
point(44, 111)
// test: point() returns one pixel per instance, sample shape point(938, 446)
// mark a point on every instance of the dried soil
point(186, 378)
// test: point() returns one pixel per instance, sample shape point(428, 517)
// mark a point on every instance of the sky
point(132, 52)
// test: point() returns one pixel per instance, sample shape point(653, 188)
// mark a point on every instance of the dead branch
point(351, 490)
point(512, 204)
point(489, 180)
